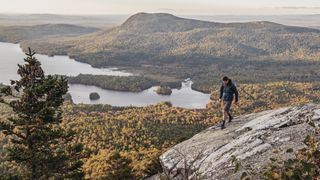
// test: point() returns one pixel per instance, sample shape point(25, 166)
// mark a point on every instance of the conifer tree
point(39, 144)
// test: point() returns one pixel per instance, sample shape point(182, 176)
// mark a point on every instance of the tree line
point(43, 137)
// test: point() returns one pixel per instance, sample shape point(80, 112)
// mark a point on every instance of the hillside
point(144, 23)
point(150, 38)
point(169, 48)
point(17, 34)
point(99, 21)
point(255, 142)
point(142, 134)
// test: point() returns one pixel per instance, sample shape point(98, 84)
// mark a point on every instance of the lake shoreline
point(184, 97)
point(126, 69)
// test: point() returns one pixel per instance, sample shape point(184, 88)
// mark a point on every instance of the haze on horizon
point(210, 7)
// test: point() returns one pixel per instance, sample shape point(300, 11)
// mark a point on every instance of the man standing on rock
point(227, 93)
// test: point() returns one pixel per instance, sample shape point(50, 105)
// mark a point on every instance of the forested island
point(164, 90)
point(94, 96)
point(120, 83)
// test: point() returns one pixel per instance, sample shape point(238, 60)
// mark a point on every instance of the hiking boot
point(223, 124)
point(230, 119)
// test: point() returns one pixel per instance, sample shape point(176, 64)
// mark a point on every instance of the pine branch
point(30, 53)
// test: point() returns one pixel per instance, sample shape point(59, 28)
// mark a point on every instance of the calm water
point(11, 55)
point(184, 97)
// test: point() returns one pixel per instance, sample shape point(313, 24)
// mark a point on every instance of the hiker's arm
point(221, 92)
point(236, 93)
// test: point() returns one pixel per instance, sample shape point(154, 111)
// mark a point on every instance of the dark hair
point(225, 78)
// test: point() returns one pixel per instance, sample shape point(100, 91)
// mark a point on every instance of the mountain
point(161, 22)
point(252, 140)
point(152, 38)
point(24, 33)
point(163, 46)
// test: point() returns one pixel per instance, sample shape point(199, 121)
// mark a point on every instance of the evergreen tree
point(39, 144)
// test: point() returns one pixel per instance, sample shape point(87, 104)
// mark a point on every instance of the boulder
point(251, 139)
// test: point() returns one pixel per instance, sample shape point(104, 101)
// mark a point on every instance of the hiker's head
point(225, 80)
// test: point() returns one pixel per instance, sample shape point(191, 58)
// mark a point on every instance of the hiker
point(228, 92)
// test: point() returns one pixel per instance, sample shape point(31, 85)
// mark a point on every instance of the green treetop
point(39, 145)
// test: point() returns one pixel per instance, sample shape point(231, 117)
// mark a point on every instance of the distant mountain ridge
point(146, 38)
point(99, 21)
point(169, 48)
point(152, 37)
point(23, 33)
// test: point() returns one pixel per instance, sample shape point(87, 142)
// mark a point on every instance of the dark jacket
point(227, 92)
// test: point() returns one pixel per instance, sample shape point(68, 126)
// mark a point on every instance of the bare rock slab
point(251, 139)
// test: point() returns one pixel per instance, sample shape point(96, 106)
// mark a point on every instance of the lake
point(184, 97)
point(11, 55)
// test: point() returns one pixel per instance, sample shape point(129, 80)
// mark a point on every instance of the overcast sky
point(170, 6)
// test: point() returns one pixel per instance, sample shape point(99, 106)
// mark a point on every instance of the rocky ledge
point(251, 139)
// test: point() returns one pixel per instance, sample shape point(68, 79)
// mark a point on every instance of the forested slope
point(163, 46)
point(140, 134)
